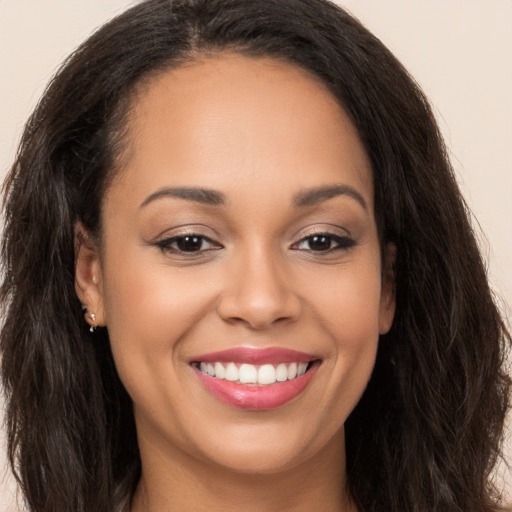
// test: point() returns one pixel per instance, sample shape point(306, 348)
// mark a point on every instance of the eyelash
point(343, 242)
point(166, 245)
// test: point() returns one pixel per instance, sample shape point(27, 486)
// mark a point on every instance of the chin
point(264, 462)
point(270, 450)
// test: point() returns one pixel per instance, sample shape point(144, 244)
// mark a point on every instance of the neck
point(186, 484)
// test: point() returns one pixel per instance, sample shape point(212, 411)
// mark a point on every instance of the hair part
point(438, 392)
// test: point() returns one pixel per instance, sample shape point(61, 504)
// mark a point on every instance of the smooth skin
point(284, 163)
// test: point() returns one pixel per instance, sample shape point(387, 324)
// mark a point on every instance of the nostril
point(259, 310)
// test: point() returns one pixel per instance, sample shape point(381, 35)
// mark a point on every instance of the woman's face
point(240, 234)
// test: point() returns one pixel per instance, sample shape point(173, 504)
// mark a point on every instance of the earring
point(92, 316)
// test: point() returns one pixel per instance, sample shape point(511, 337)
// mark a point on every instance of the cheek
point(149, 309)
point(348, 310)
point(356, 320)
point(140, 291)
point(347, 302)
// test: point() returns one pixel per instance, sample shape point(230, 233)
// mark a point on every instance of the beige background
point(459, 51)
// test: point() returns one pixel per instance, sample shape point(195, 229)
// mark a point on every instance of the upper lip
point(255, 356)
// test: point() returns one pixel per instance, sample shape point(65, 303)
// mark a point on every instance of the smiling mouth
point(260, 375)
point(255, 379)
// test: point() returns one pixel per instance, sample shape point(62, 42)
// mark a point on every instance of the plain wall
point(460, 52)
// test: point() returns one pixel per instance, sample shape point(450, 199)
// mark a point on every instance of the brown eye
point(324, 242)
point(189, 243)
point(320, 243)
point(186, 244)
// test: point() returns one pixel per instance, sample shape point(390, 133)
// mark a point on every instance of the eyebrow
point(199, 195)
point(314, 196)
point(304, 198)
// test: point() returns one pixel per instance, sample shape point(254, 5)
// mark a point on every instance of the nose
point(258, 294)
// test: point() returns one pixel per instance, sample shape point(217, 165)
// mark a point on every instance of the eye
point(187, 244)
point(324, 242)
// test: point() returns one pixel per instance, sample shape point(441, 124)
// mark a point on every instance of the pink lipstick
point(255, 379)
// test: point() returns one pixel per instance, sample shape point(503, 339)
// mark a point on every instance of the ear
point(387, 294)
point(88, 277)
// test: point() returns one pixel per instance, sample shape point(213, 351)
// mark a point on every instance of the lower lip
point(256, 398)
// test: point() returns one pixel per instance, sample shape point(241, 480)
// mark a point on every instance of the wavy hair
point(427, 431)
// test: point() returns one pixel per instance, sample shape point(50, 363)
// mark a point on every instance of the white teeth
point(231, 372)
point(267, 374)
point(220, 372)
point(292, 371)
point(245, 373)
point(281, 372)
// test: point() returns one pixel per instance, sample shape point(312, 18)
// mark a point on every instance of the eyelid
point(165, 241)
point(186, 230)
point(339, 235)
point(343, 241)
point(173, 238)
point(167, 238)
point(322, 228)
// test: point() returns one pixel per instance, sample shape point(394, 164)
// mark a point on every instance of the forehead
point(228, 119)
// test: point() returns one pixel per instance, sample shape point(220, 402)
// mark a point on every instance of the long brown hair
point(425, 435)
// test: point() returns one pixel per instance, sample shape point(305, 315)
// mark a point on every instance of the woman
point(239, 273)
